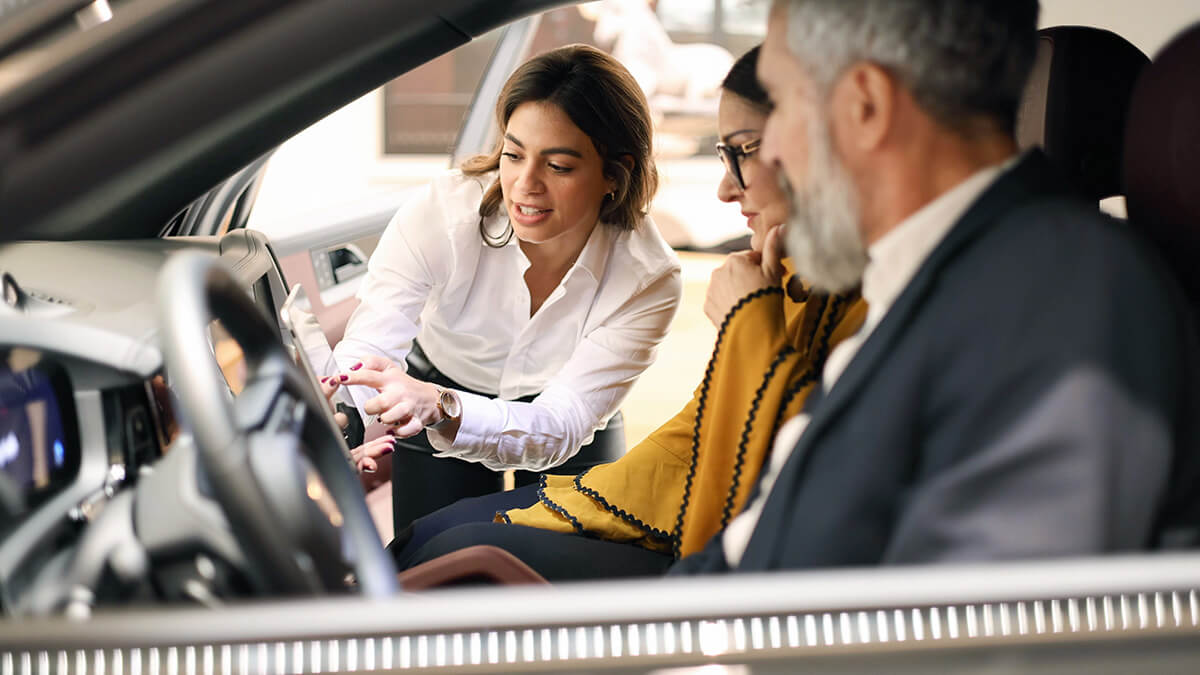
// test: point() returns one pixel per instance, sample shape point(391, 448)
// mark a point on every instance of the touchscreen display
point(32, 437)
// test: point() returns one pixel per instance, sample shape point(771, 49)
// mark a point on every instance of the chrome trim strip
point(798, 616)
point(1142, 613)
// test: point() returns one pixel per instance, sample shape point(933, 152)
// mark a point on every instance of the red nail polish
point(343, 378)
point(356, 366)
point(324, 380)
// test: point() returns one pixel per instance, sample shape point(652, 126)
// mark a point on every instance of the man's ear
point(865, 101)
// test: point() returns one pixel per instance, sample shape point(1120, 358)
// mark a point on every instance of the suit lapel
point(1027, 179)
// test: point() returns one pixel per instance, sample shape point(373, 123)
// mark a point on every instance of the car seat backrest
point(1162, 157)
point(1161, 178)
point(1075, 104)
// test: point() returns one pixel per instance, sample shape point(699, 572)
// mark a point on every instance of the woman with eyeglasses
point(669, 494)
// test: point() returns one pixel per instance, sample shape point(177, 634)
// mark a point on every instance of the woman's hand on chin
point(404, 403)
point(742, 273)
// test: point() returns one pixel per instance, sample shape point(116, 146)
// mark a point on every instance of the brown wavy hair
point(600, 97)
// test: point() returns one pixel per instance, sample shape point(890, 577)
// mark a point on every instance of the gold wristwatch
point(449, 407)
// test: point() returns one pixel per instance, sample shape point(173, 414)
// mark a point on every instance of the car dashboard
point(86, 403)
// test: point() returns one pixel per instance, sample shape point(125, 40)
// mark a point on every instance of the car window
point(423, 109)
point(716, 20)
point(398, 136)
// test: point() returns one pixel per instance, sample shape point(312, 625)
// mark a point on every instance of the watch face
point(450, 405)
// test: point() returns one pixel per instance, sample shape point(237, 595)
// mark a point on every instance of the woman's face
point(763, 203)
point(552, 177)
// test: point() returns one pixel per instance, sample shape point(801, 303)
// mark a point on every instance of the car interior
point(175, 496)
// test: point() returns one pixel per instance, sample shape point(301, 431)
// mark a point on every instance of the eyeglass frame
point(731, 157)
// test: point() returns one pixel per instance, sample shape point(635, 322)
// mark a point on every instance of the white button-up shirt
point(433, 277)
point(893, 260)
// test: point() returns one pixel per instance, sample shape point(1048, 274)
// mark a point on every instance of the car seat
point(481, 564)
point(1075, 104)
point(1161, 179)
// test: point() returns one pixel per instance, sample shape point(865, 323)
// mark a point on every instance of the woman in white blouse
point(525, 293)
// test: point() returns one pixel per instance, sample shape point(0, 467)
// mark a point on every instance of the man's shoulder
point(1055, 275)
point(1058, 240)
point(1034, 220)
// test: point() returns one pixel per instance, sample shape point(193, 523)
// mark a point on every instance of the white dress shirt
point(433, 277)
point(893, 260)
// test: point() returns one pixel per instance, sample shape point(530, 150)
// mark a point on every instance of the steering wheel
point(278, 407)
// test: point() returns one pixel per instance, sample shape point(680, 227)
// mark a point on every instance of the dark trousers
point(554, 555)
point(471, 510)
point(422, 483)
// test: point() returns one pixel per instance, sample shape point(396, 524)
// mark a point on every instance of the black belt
point(420, 367)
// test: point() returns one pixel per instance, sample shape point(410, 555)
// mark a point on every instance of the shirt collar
point(894, 259)
point(594, 256)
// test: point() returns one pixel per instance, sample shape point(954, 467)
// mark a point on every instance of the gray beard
point(822, 236)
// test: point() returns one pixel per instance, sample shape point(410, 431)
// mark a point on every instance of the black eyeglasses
point(731, 156)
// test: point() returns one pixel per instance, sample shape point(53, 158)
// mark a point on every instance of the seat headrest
point(1075, 104)
point(1162, 156)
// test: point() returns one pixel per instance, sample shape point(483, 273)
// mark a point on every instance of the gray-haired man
point(1025, 380)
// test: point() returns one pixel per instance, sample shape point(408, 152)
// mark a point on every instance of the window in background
point(424, 108)
point(679, 50)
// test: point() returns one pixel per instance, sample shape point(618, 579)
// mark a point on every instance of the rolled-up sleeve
point(577, 401)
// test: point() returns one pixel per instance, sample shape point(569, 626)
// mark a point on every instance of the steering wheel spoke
point(278, 413)
point(266, 403)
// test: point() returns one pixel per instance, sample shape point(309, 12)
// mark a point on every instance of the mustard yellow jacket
point(681, 485)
